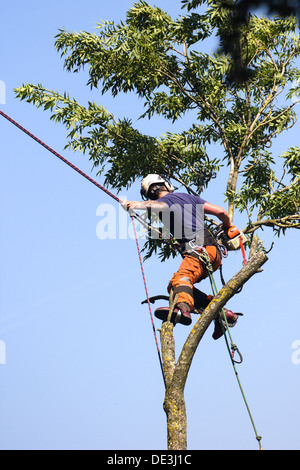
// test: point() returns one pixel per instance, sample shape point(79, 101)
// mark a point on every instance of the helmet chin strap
point(154, 192)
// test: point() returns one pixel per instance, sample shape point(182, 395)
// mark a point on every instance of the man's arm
point(219, 212)
point(144, 205)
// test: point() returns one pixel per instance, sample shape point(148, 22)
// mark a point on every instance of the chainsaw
point(232, 238)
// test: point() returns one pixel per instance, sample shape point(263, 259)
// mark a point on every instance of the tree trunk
point(174, 404)
point(176, 372)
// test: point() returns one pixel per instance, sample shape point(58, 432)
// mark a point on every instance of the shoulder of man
point(182, 198)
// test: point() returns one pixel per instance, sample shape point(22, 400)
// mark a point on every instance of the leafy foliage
point(159, 60)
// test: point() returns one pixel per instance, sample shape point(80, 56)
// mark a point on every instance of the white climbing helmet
point(151, 179)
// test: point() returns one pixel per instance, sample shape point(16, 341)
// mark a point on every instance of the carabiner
point(233, 349)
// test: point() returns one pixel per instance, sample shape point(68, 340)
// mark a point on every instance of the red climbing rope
point(59, 156)
point(148, 300)
point(132, 214)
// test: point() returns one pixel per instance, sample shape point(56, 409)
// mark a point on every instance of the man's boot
point(220, 323)
point(181, 314)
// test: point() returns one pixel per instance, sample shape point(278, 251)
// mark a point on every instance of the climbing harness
point(203, 257)
point(132, 214)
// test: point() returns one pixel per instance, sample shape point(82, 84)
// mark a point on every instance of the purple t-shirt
point(185, 217)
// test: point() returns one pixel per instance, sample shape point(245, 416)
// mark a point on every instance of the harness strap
point(183, 288)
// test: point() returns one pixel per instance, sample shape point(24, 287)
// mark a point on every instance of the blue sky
point(79, 368)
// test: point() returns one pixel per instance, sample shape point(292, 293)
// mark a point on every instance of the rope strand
point(148, 301)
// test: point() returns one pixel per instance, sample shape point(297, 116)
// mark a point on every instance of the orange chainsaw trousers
point(191, 271)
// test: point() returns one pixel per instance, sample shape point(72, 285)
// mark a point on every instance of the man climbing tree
point(234, 123)
point(187, 214)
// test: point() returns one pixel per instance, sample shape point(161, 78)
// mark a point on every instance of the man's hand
point(125, 204)
point(129, 205)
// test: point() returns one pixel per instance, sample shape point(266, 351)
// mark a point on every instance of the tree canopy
point(161, 61)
